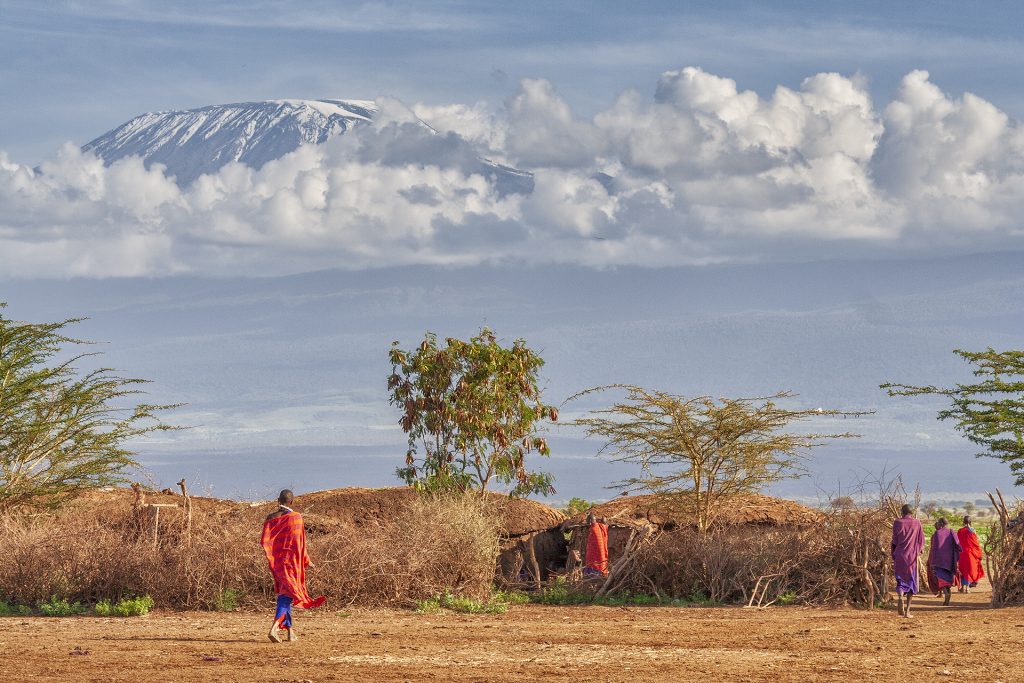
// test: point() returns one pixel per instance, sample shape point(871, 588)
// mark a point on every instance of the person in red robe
point(597, 548)
point(284, 542)
point(969, 564)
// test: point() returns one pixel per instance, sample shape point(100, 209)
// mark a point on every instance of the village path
point(966, 641)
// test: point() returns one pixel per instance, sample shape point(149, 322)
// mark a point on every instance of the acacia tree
point(61, 431)
point(696, 452)
point(990, 411)
point(472, 412)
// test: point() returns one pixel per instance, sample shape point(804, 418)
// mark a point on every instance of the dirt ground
point(966, 641)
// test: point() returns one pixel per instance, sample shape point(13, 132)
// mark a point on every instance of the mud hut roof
point(333, 508)
point(361, 506)
point(748, 508)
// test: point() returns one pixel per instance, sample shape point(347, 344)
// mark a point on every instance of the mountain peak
point(194, 142)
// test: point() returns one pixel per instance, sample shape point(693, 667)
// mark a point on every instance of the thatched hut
point(532, 544)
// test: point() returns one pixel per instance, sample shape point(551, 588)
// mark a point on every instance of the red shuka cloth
point(969, 564)
point(597, 547)
point(284, 542)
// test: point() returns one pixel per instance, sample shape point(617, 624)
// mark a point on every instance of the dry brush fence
point(843, 558)
point(199, 555)
point(1004, 553)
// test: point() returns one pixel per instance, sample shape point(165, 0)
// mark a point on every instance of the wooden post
point(187, 504)
point(532, 554)
point(867, 573)
point(154, 516)
point(154, 513)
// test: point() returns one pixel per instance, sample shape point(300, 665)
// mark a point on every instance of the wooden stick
point(533, 561)
point(187, 504)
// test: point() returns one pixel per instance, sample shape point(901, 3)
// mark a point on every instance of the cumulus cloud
point(700, 171)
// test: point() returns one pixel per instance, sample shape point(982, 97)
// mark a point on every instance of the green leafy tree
point(61, 431)
point(696, 452)
point(577, 506)
point(472, 410)
point(989, 411)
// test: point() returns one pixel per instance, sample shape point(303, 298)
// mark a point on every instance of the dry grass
point(436, 545)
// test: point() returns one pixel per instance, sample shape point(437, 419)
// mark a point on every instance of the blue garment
point(907, 583)
point(283, 618)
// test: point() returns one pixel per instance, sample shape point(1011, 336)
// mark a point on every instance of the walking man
point(943, 557)
point(907, 544)
point(284, 542)
point(971, 570)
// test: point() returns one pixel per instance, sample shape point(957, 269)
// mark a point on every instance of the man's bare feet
point(292, 637)
point(274, 638)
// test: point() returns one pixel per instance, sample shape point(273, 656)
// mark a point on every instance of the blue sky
point(72, 70)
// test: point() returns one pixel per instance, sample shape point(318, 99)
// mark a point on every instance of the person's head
point(590, 518)
point(941, 523)
point(967, 520)
point(285, 497)
point(905, 510)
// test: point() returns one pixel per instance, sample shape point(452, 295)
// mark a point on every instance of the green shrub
point(699, 599)
point(786, 599)
point(127, 607)
point(60, 607)
point(628, 598)
point(9, 609)
point(562, 594)
point(460, 604)
point(511, 597)
point(428, 606)
point(228, 600)
point(465, 605)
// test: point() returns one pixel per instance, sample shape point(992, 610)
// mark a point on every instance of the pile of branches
point(1004, 553)
point(844, 559)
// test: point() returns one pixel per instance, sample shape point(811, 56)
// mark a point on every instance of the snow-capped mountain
point(195, 142)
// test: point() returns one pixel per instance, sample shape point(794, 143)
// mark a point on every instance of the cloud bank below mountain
point(701, 172)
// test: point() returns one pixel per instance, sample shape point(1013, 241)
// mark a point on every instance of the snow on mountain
point(195, 142)
point(198, 141)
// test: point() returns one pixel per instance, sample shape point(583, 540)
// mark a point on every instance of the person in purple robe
point(943, 557)
point(907, 544)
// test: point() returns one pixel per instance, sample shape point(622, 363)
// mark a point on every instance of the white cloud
point(702, 171)
point(543, 131)
point(477, 124)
